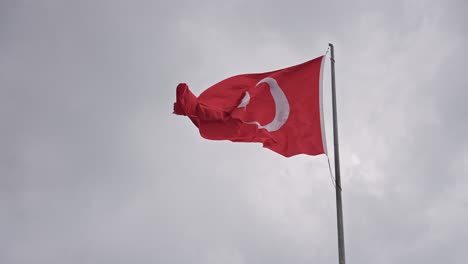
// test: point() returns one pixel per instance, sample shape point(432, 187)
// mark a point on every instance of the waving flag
point(281, 109)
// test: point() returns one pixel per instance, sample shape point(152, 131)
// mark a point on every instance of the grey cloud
point(94, 168)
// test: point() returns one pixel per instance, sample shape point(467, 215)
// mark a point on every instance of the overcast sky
point(95, 168)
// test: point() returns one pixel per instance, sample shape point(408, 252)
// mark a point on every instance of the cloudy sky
point(95, 168)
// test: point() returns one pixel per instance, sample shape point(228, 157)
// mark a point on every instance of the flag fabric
point(281, 109)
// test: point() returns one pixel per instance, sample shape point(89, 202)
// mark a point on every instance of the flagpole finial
point(332, 53)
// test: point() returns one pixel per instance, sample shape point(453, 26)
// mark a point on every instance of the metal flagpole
point(339, 204)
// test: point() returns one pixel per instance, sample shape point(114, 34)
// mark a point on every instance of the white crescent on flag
point(281, 105)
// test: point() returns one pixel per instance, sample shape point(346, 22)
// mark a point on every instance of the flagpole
point(339, 203)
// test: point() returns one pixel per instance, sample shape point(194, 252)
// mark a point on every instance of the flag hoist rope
point(331, 173)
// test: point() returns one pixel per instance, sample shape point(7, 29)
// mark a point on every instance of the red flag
point(281, 109)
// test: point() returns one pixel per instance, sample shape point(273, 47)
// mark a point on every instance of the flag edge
point(322, 120)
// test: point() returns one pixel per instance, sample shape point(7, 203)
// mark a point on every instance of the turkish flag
point(281, 109)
